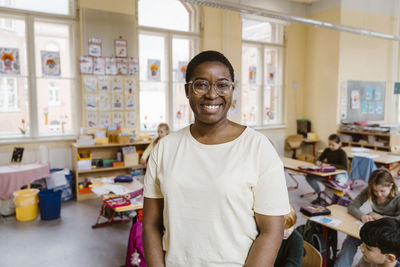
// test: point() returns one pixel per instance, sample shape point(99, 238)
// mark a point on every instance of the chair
point(312, 257)
point(361, 168)
point(293, 142)
point(306, 157)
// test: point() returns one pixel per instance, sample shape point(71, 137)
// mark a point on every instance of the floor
point(70, 240)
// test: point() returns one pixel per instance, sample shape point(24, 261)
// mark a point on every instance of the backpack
point(322, 238)
point(135, 252)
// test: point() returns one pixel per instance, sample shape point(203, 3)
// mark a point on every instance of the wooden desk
point(349, 225)
point(294, 164)
point(386, 159)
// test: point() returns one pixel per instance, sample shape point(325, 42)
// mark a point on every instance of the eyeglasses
point(201, 87)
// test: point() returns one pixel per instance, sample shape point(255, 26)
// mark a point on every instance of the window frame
point(261, 46)
point(194, 35)
point(30, 17)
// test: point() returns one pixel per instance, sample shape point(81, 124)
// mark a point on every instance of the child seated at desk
point(383, 195)
point(333, 155)
point(291, 251)
point(381, 243)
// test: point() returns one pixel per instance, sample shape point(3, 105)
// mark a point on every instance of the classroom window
point(166, 44)
point(28, 92)
point(61, 7)
point(262, 54)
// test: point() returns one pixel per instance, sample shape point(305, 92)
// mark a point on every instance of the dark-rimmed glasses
point(201, 87)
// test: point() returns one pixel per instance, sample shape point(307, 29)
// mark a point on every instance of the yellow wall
point(119, 6)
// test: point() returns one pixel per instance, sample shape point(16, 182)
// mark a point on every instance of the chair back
point(306, 157)
point(312, 257)
point(294, 141)
point(361, 168)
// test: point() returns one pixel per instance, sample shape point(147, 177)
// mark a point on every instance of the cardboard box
point(100, 141)
point(131, 159)
point(123, 139)
point(84, 165)
point(118, 164)
point(113, 135)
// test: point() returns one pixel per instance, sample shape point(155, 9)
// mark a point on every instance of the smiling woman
point(215, 191)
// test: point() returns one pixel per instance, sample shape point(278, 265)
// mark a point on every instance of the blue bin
point(49, 204)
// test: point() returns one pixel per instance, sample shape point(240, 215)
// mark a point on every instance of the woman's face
point(381, 192)
point(210, 108)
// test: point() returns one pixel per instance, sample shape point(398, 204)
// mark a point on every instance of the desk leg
point(291, 175)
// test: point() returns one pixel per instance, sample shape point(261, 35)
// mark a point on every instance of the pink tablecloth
point(13, 177)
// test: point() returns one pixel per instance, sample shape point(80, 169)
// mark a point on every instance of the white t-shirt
point(210, 195)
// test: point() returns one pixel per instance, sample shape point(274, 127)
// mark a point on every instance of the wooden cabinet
point(368, 139)
point(104, 151)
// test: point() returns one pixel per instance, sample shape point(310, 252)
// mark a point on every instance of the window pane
point(13, 106)
point(152, 105)
point(54, 90)
point(62, 7)
point(53, 38)
point(182, 51)
point(272, 82)
point(262, 31)
point(251, 83)
point(54, 115)
point(151, 47)
point(166, 14)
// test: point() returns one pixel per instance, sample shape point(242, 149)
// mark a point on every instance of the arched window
point(168, 39)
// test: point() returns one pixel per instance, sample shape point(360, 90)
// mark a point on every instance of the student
point(162, 130)
point(381, 243)
point(291, 251)
point(333, 155)
point(383, 195)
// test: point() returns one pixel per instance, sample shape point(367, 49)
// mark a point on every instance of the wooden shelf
point(105, 169)
point(364, 133)
point(365, 145)
point(112, 145)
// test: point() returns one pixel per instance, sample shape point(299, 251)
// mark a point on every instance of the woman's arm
point(265, 248)
point(152, 231)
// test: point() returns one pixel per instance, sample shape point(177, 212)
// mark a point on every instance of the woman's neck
point(218, 133)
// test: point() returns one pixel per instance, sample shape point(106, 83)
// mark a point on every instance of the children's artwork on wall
point(129, 86)
point(111, 66)
point(117, 101)
point(133, 66)
point(121, 48)
point(377, 93)
point(153, 70)
point(181, 73)
point(91, 119)
point(117, 118)
point(9, 61)
point(116, 85)
point(122, 66)
point(99, 66)
point(252, 74)
point(50, 63)
point(371, 107)
point(104, 84)
point(355, 99)
point(91, 102)
point(104, 102)
point(130, 119)
point(378, 107)
point(105, 119)
point(271, 70)
point(90, 84)
point(234, 109)
point(129, 102)
point(17, 154)
point(368, 93)
point(86, 65)
point(94, 47)
point(364, 107)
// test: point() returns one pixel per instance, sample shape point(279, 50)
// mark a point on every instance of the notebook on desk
point(316, 168)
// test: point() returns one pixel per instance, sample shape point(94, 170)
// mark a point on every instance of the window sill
point(269, 127)
point(41, 139)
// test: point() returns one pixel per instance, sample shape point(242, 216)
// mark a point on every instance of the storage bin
point(131, 159)
point(122, 139)
point(84, 165)
point(108, 162)
point(50, 204)
point(26, 204)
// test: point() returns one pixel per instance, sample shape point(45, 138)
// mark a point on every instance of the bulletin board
point(365, 101)
point(109, 96)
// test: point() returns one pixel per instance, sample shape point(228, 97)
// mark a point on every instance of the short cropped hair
point(383, 234)
point(290, 218)
point(335, 138)
point(208, 56)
